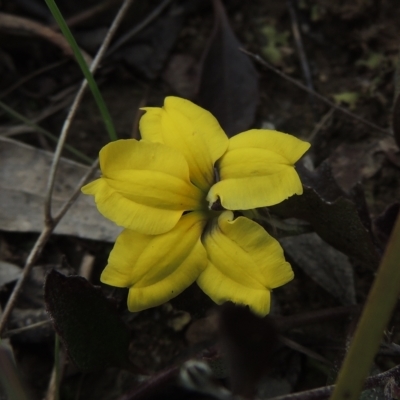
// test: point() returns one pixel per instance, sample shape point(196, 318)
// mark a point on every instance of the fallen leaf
point(340, 219)
point(353, 162)
point(94, 335)
point(327, 266)
point(23, 180)
point(228, 80)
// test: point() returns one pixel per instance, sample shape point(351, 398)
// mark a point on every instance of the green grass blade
point(375, 317)
point(82, 63)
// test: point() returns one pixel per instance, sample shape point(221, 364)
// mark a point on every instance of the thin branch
point(17, 331)
point(312, 317)
point(265, 64)
point(87, 14)
point(129, 35)
point(324, 392)
point(76, 193)
point(300, 48)
point(318, 127)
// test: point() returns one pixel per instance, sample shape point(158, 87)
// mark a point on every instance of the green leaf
point(92, 332)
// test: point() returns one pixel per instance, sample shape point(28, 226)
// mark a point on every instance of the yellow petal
point(190, 129)
point(258, 170)
point(145, 186)
point(157, 268)
point(245, 263)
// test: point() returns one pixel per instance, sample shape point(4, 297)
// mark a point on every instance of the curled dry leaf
point(340, 219)
point(229, 82)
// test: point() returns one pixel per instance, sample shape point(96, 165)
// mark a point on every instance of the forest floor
point(346, 51)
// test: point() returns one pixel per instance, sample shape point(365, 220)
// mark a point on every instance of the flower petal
point(190, 129)
point(145, 186)
point(245, 263)
point(258, 170)
point(157, 268)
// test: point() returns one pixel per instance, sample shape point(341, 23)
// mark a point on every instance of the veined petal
point(258, 170)
point(145, 186)
point(157, 268)
point(245, 263)
point(193, 131)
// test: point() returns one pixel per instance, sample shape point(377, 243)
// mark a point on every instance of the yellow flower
point(175, 191)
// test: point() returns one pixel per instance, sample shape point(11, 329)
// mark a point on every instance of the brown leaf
point(327, 266)
point(23, 180)
point(228, 82)
point(87, 322)
point(340, 219)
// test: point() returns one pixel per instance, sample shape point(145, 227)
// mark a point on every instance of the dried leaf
point(353, 162)
point(325, 265)
point(23, 180)
point(94, 335)
point(229, 82)
point(339, 219)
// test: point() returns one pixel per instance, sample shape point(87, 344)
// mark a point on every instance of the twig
point(74, 107)
point(326, 391)
point(51, 222)
point(86, 267)
point(320, 124)
point(304, 350)
point(300, 48)
point(9, 22)
point(319, 316)
point(123, 39)
point(265, 64)
point(87, 14)
point(17, 331)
